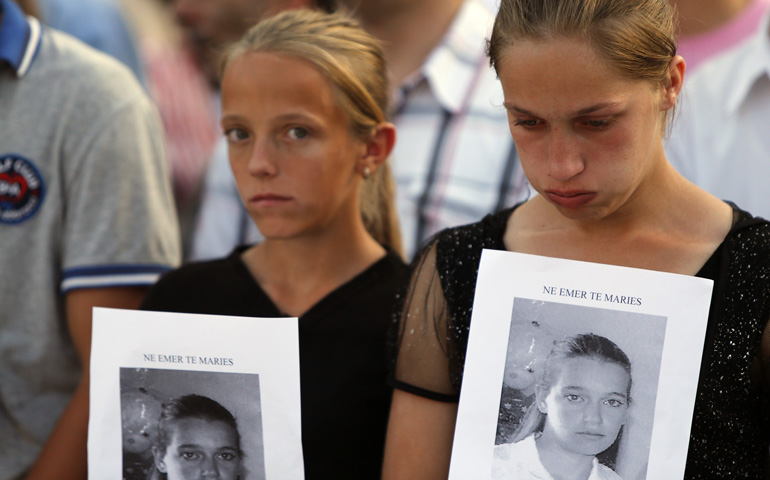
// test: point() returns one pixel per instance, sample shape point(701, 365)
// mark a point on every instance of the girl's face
point(201, 449)
point(295, 160)
point(585, 406)
point(588, 138)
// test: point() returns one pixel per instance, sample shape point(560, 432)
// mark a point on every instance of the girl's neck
point(296, 273)
point(560, 464)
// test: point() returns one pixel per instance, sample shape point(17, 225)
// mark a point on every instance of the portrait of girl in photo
point(580, 407)
point(196, 438)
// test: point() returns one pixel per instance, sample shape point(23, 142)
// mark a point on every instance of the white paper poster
point(569, 361)
point(228, 388)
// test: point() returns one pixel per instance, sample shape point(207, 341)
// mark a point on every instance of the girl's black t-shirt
point(342, 343)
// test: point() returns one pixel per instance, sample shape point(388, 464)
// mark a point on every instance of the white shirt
point(721, 136)
point(453, 162)
point(521, 461)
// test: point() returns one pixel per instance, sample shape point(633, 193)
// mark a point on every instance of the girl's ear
point(676, 69)
point(158, 457)
point(378, 148)
point(541, 392)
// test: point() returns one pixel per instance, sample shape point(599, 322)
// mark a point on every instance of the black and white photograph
point(578, 392)
point(578, 370)
point(204, 396)
point(179, 425)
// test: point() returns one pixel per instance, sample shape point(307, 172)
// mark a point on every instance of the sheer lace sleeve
point(432, 333)
point(422, 361)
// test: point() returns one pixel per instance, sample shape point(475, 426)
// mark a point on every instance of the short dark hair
point(192, 406)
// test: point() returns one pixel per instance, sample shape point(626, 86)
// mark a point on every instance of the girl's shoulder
point(472, 238)
point(749, 236)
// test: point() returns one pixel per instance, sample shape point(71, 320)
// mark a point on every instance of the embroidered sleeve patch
point(21, 189)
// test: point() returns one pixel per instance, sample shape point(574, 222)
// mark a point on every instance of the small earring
point(367, 173)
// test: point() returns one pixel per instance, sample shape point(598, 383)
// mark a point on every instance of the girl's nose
point(564, 158)
point(208, 468)
point(262, 162)
point(592, 413)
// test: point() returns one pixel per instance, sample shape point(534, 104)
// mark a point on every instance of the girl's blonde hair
point(353, 62)
point(636, 37)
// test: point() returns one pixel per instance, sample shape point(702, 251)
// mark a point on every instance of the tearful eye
point(598, 124)
point(527, 123)
point(297, 133)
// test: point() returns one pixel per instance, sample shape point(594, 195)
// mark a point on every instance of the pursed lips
point(269, 199)
point(570, 198)
point(592, 435)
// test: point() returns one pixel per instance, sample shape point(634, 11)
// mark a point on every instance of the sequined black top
point(730, 432)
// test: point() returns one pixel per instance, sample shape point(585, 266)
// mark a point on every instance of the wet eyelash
point(604, 123)
point(530, 122)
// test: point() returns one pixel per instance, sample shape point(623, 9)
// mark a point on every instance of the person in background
point(707, 29)
point(186, 99)
point(720, 141)
point(86, 219)
point(589, 86)
point(212, 25)
point(101, 24)
point(454, 161)
point(304, 102)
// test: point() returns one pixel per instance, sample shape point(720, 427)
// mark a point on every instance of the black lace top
point(730, 432)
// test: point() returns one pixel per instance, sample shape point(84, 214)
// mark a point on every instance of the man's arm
point(64, 455)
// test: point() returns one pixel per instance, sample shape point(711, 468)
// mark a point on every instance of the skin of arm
point(419, 438)
point(64, 455)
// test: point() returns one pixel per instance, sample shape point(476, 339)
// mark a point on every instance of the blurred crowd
point(173, 47)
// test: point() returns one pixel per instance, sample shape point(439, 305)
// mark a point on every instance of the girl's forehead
point(590, 373)
point(563, 75)
point(186, 429)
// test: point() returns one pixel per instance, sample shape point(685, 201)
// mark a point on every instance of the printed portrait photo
point(180, 425)
point(578, 392)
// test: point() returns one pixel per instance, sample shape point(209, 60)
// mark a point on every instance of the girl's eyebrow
point(581, 389)
point(513, 108)
point(189, 445)
point(231, 118)
point(583, 111)
point(595, 108)
point(285, 117)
